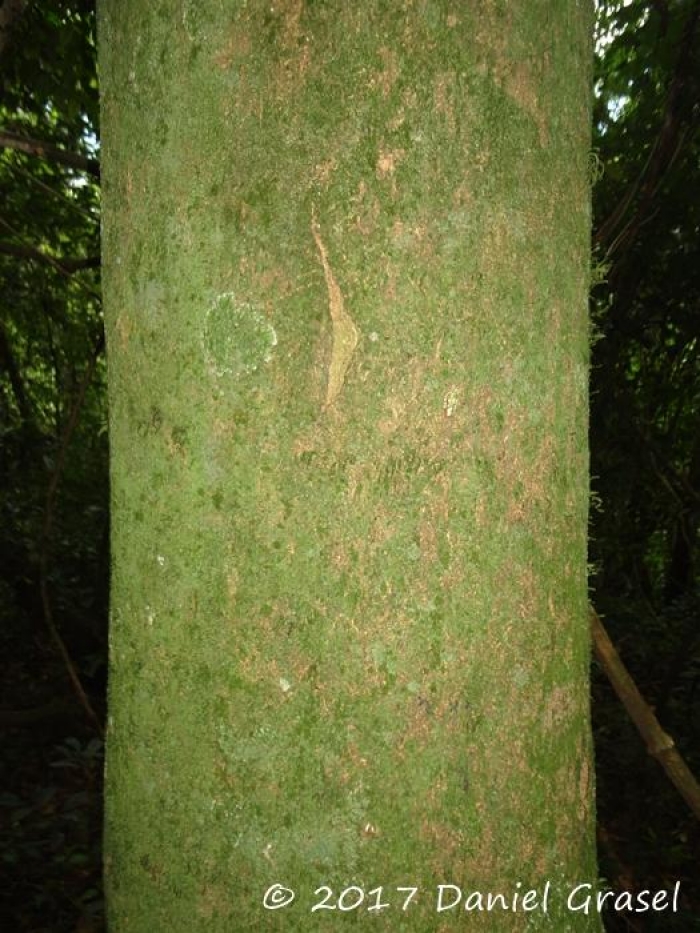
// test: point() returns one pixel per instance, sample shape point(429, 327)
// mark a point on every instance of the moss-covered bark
point(346, 259)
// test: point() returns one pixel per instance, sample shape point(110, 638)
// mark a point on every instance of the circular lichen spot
point(237, 338)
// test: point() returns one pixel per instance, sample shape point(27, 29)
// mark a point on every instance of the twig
point(53, 192)
point(64, 264)
point(47, 259)
point(659, 744)
point(37, 147)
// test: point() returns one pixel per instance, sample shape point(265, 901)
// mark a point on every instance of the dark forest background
point(54, 519)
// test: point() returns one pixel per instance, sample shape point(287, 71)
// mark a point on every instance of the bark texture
point(346, 272)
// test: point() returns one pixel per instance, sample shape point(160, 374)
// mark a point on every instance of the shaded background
point(54, 520)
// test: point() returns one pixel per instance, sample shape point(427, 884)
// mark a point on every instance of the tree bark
point(346, 258)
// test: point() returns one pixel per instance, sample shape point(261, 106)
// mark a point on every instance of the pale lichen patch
point(450, 401)
point(194, 21)
point(237, 339)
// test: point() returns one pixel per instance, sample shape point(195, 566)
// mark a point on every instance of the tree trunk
point(346, 272)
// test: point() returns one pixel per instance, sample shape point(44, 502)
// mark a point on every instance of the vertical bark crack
point(345, 333)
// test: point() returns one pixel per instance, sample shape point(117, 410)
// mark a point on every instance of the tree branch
point(65, 264)
point(10, 140)
point(45, 257)
point(659, 745)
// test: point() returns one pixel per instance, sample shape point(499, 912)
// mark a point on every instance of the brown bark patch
point(237, 46)
point(386, 78)
point(519, 84)
point(560, 707)
point(387, 162)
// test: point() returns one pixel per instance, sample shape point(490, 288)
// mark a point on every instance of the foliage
point(50, 328)
point(644, 418)
point(52, 541)
point(51, 860)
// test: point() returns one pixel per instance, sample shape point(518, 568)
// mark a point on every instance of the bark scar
point(344, 332)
